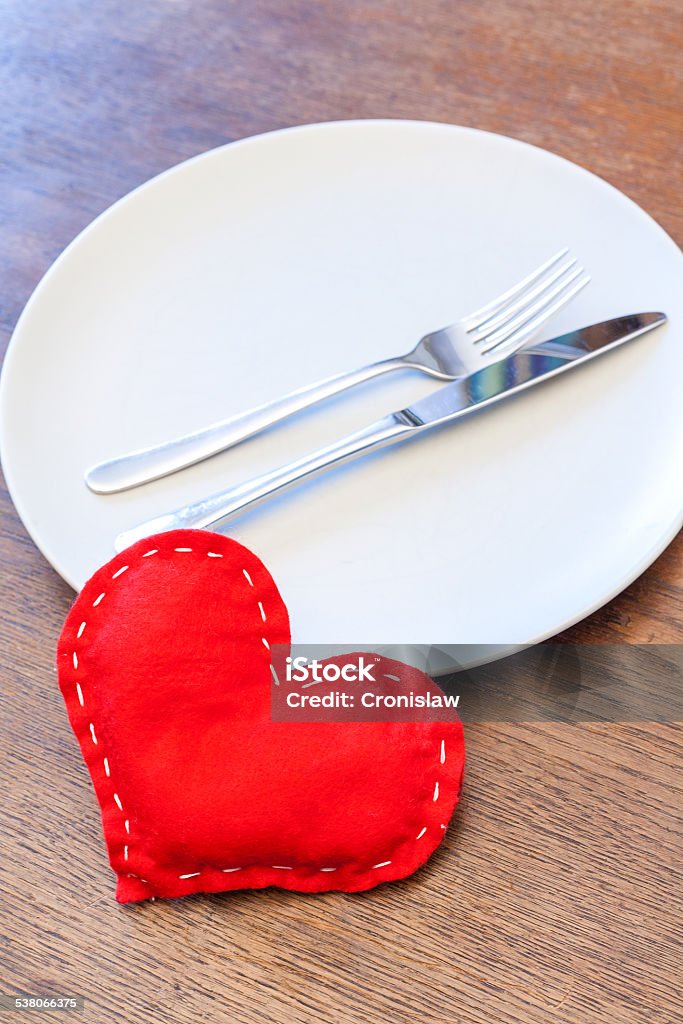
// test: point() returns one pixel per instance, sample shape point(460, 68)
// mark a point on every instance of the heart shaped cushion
point(165, 666)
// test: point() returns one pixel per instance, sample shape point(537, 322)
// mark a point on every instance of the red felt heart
point(165, 666)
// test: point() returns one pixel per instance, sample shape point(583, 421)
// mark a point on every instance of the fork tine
point(511, 324)
point(520, 336)
point(474, 320)
point(488, 326)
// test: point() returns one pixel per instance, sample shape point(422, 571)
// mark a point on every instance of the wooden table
point(555, 895)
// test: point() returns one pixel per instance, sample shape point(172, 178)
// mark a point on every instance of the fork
point(499, 328)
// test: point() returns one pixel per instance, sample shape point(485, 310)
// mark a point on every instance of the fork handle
point(202, 514)
point(148, 464)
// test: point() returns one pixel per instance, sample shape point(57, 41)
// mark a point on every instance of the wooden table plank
point(556, 895)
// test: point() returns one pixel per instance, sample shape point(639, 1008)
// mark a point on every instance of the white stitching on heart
point(107, 771)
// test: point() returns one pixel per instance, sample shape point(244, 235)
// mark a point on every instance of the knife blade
point(530, 366)
point(501, 380)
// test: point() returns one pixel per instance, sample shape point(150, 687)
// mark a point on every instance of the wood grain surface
point(556, 896)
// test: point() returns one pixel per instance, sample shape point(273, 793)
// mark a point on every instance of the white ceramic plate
point(272, 262)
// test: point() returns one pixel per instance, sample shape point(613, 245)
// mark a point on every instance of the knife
point(451, 402)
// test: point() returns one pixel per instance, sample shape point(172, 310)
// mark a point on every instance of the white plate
point(269, 263)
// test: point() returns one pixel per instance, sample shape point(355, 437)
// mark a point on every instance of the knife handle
point(149, 464)
point(218, 507)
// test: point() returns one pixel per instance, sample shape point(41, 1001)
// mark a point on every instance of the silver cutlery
point(511, 375)
point(499, 328)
